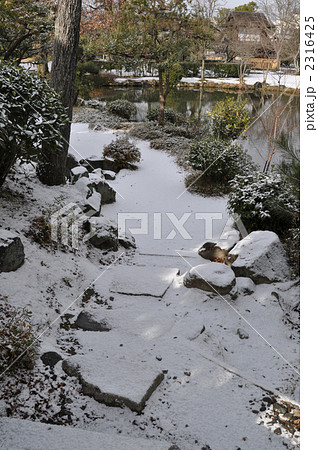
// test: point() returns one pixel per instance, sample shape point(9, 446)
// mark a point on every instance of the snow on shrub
point(17, 337)
point(264, 202)
point(31, 114)
point(122, 108)
point(219, 160)
point(229, 119)
point(123, 152)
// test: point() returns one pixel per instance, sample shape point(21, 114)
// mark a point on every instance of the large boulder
point(213, 277)
point(11, 251)
point(78, 172)
point(261, 257)
point(93, 203)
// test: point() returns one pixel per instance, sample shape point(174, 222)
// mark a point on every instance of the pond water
point(263, 110)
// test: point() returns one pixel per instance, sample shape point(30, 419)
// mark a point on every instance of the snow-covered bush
point(123, 152)
point(219, 160)
point(170, 115)
point(31, 114)
point(264, 202)
point(17, 337)
point(229, 119)
point(122, 108)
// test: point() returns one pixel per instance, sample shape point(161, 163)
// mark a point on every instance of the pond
point(263, 109)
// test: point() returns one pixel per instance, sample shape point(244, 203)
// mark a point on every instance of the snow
point(213, 379)
point(150, 281)
point(216, 274)
point(289, 80)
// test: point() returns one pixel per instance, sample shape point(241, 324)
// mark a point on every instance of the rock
point(88, 321)
point(50, 358)
point(93, 203)
point(242, 334)
point(245, 286)
point(128, 241)
point(96, 163)
point(114, 382)
point(11, 251)
point(139, 280)
point(108, 195)
point(212, 277)
point(105, 234)
point(261, 257)
point(83, 185)
point(78, 172)
point(109, 174)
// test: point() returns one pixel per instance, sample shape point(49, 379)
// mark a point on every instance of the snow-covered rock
point(213, 277)
point(89, 321)
point(139, 280)
point(114, 382)
point(105, 235)
point(93, 203)
point(261, 257)
point(108, 195)
point(78, 172)
point(83, 185)
point(109, 174)
point(11, 251)
point(245, 286)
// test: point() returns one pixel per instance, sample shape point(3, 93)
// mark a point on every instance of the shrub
point(123, 152)
point(31, 113)
point(171, 115)
point(88, 67)
point(122, 108)
point(16, 338)
point(219, 160)
point(264, 202)
point(229, 119)
point(190, 68)
point(224, 70)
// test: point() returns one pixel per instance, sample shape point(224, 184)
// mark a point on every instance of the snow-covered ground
point(216, 383)
point(271, 78)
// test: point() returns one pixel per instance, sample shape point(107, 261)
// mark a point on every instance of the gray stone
point(71, 162)
point(78, 172)
point(105, 235)
point(108, 195)
point(50, 358)
point(11, 251)
point(213, 277)
point(261, 257)
point(114, 382)
point(93, 203)
point(88, 321)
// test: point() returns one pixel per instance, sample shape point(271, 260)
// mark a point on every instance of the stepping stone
point(138, 280)
point(11, 251)
point(114, 382)
point(20, 434)
point(50, 358)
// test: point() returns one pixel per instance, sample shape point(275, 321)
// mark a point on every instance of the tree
point(30, 113)
point(156, 33)
point(204, 11)
point(247, 7)
point(25, 28)
point(221, 16)
point(52, 167)
point(284, 14)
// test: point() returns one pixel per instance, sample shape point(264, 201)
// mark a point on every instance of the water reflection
point(263, 108)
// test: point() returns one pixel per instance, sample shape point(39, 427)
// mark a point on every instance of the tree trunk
point(52, 168)
point(203, 63)
point(164, 89)
point(7, 159)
